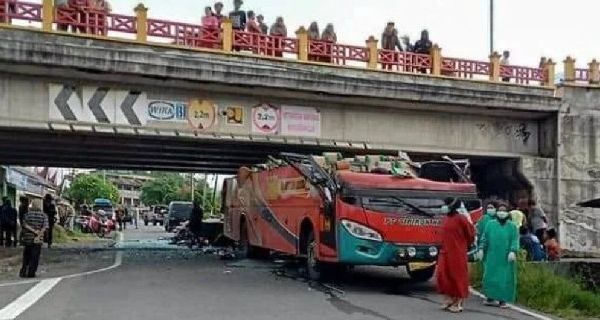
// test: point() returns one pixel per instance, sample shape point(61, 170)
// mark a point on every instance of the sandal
point(455, 309)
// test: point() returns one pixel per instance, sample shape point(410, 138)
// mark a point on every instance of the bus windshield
point(412, 202)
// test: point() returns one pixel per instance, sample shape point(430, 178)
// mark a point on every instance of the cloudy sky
point(529, 28)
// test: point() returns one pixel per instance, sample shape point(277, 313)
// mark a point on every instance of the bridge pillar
point(47, 15)
point(569, 69)
point(549, 71)
point(495, 66)
point(302, 35)
point(141, 13)
point(594, 72)
point(227, 26)
point(373, 53)
point(436, 60)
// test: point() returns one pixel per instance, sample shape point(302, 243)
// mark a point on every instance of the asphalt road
point(181, 284)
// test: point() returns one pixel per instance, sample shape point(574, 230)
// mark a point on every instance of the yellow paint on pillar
point(141, 21)
point(227, 27)
point(47, 15)
point(373, 53)
point(569, 65)
point(494, 67)
point(594, 72)
point(549, 70)
point(436, 60)
point(302, 35)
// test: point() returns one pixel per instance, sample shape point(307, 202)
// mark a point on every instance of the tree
point(87, 187)
point(167, 187)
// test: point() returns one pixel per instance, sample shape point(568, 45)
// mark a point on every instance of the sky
point(530, 29)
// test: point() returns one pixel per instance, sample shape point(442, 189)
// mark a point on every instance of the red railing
point(84, 20)
point(582, 75)
point(462, 68)
point(20, 10)
point(264, 44)
point(404, 61)
point(339, 54)
point(121, 23)
point(185, 33)
point(522, 75)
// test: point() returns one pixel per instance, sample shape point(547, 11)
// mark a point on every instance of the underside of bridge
point(30, 147)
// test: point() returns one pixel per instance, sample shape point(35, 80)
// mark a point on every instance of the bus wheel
point(422, 275)
point(313, 267)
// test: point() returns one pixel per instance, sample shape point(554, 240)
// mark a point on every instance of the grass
point(62, 235)
point(541, 289)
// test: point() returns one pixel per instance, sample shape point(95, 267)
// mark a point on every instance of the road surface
point(181, 284)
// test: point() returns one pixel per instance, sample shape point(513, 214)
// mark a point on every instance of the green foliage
point(541, 289)
point(167, 187)
point(87, 187)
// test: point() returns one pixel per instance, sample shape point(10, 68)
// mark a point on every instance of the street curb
point(514, 308)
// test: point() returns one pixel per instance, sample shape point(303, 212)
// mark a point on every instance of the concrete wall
point(25, 101)
point(580, 167)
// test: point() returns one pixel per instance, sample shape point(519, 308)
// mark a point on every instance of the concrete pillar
point(569, 64)
point(373, 52)
point(302, 35)
point(494, 66)
point(47, 15)
point(549, 72)
point(141, 13)
point(227, 27)
point(594, 72)
point(436, 60)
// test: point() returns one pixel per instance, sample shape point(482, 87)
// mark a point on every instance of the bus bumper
point(356, 251)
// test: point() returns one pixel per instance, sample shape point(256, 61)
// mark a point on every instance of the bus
point(104, 205)
point(343, 217)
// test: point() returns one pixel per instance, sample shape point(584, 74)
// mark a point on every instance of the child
point(552, 246)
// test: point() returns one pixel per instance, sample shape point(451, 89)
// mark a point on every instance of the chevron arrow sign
point(97, 105)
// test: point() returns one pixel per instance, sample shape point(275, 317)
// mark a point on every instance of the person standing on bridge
point(35, 225)
point(264, 28)
point(453, 270)
point(238, 16)
point(500, 247)
point(50, 210)
point(219, 12)
point(389, 42)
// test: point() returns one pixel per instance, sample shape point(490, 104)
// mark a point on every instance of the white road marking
point(513, 307)
point(22, 303)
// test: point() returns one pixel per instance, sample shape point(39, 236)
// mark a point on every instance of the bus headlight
point(411, 251)
point(433, 251)
point(360, 231)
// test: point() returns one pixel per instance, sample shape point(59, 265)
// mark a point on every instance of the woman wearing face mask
point(490, 214)
point(500, 244)
point(453, 271)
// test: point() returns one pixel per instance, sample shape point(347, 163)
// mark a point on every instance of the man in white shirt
point(504, 62)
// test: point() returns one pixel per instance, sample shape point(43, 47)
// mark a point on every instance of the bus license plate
point(419, 265)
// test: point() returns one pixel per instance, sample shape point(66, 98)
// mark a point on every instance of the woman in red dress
point(453, 270)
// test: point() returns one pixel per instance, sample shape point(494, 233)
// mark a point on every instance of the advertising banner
point(300, 121)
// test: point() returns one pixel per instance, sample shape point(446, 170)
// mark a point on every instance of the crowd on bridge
point(501, 235)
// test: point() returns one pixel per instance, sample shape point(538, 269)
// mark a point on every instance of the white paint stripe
point(25, 301)
point(515, 308)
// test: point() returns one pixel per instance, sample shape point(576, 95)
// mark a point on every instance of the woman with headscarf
point(313, 35)
point(278, 31)
point(458, 234)
point(330, 38)
point(500, 245)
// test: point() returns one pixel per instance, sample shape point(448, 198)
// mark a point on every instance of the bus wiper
point(415, 208)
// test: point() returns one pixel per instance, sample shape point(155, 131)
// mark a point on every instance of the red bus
point(343, 217)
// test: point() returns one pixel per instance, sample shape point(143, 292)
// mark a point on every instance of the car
point(179, 212)
point(155, 215)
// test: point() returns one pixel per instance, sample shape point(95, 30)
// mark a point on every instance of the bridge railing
point(85, 20)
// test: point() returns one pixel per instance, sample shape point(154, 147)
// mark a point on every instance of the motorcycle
point(101, 226)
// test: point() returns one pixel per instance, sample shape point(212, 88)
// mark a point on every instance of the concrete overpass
point(94, 102)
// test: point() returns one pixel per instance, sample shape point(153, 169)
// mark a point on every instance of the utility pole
point(192, 185)
point(214, 196)
point(204, 190)
point(491, 26)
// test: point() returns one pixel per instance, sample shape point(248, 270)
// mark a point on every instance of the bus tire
point(422, 275)
point(313, 266)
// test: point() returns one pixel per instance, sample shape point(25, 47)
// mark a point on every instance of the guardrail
point(84, 20)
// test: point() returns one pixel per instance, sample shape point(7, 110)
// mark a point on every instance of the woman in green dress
point(500, 245)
